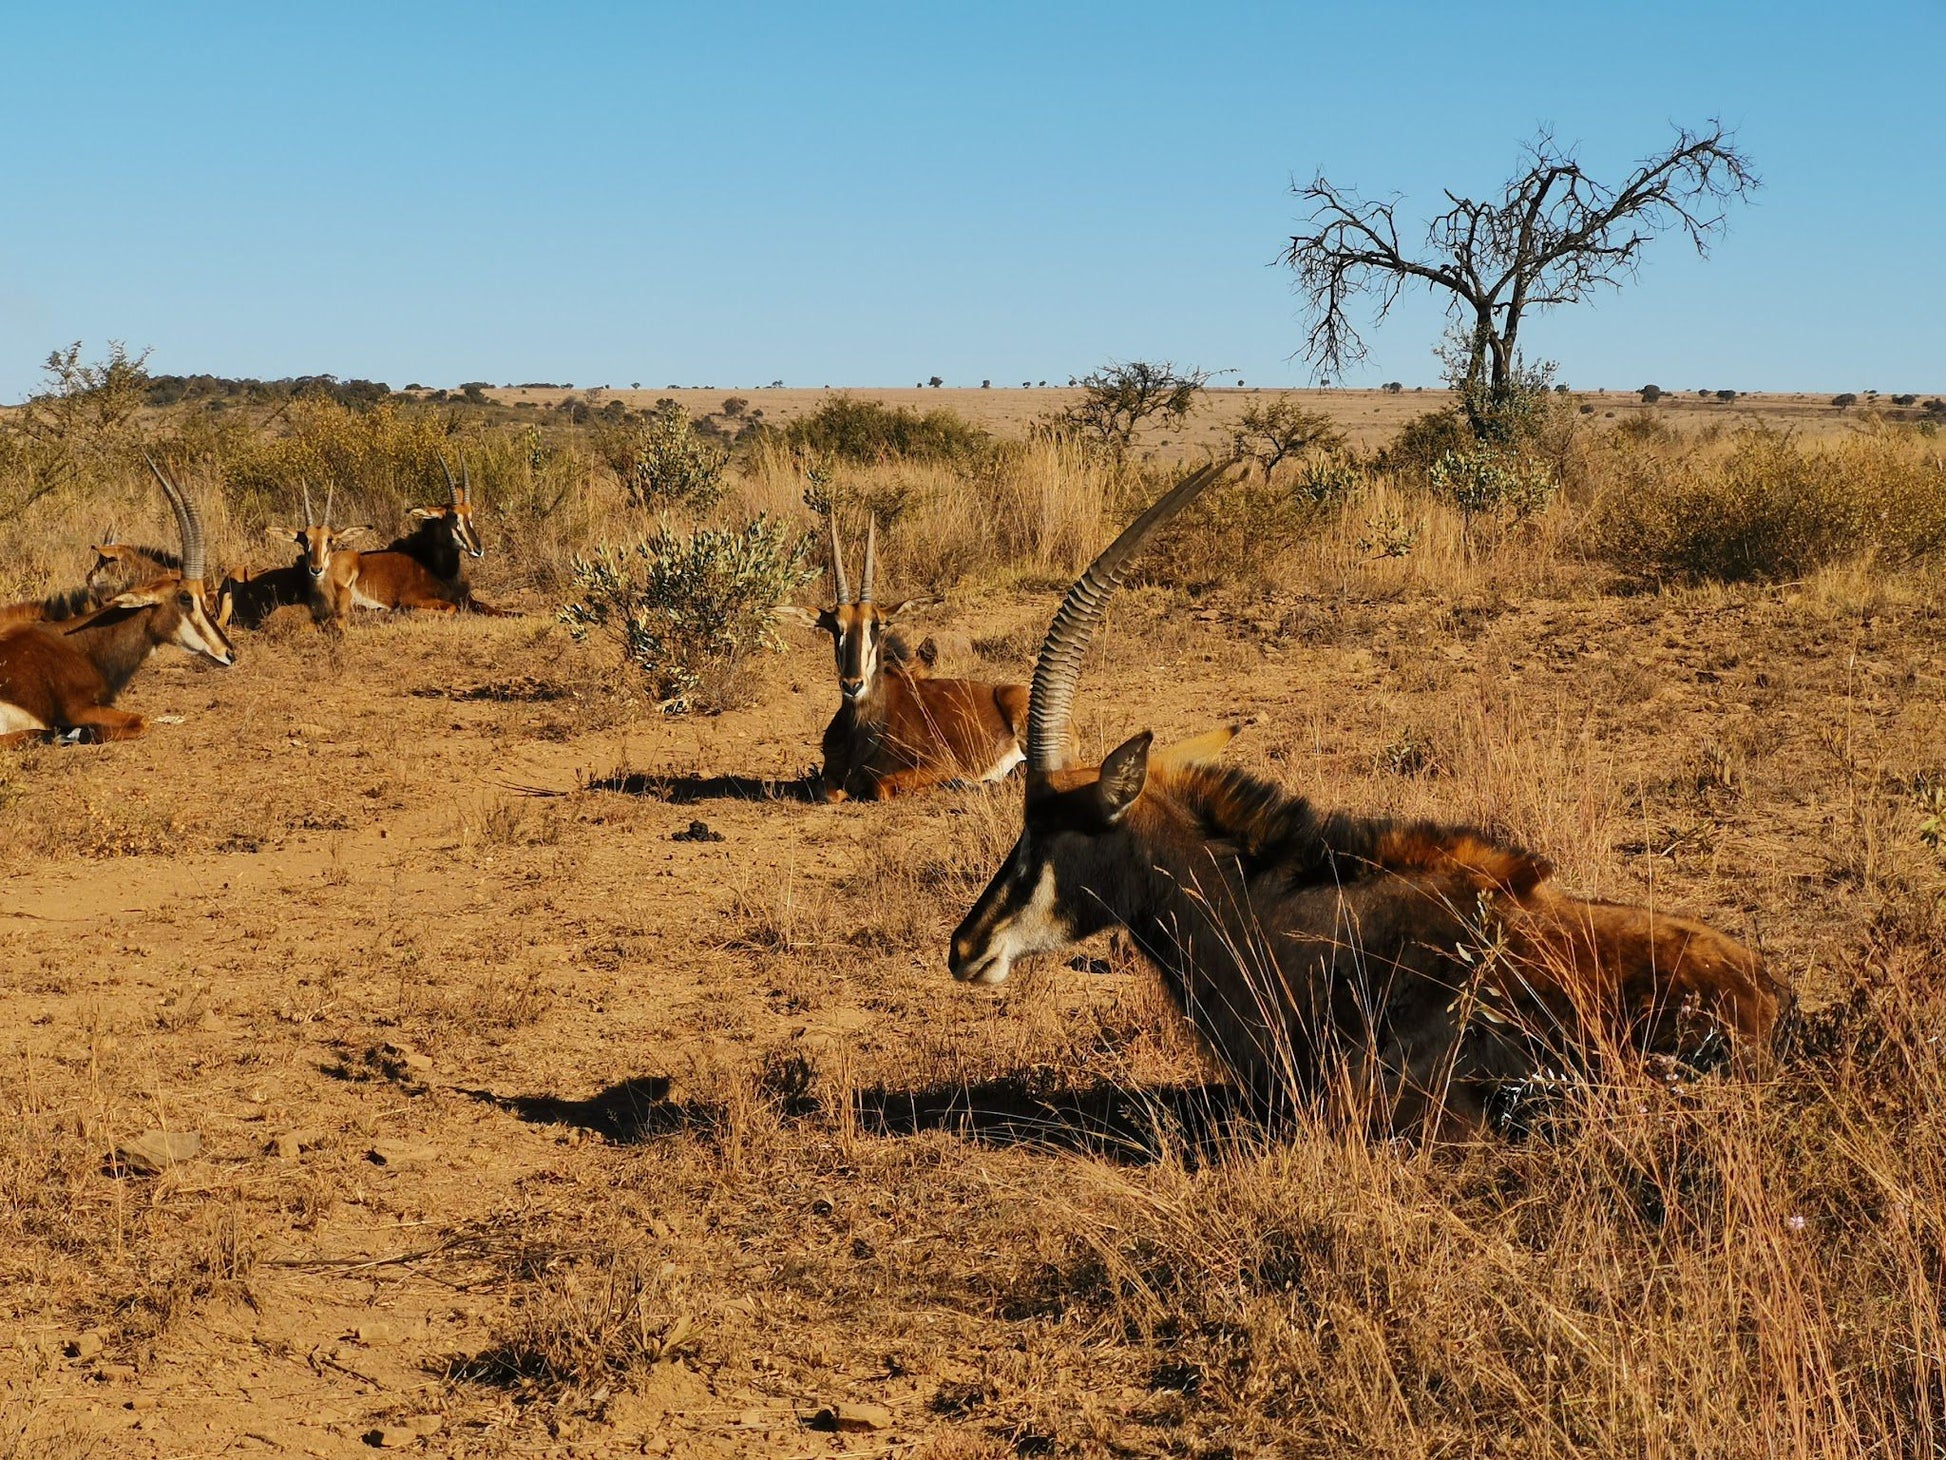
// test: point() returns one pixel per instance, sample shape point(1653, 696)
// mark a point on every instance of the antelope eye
point(185, 600)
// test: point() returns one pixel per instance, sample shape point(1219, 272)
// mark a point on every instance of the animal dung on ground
point(698, 831)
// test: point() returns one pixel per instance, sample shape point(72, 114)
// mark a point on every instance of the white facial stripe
point(1034, 929)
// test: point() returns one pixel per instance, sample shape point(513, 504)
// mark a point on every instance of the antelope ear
point(284, 534)
point(1198, 749)
point(1123, 775)
point(426, 514)
point(898, 608)
point(134, 598)
point(790, 613)
point(341, 535)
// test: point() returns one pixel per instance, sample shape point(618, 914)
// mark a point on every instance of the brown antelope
point(1425, 976)
point(340, 578)
point(63, 678)
point(898, 730)
point(118, 566)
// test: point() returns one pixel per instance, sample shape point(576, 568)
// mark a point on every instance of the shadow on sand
point(626, 1113)
point(1116, 1123)
point(682, 790)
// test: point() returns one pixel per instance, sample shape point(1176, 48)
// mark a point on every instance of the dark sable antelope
point(62, 678)
point(1416, 975)
point(897, 729)
point(444, 538)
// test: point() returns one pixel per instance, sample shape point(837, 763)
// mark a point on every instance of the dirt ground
point(488, 1060)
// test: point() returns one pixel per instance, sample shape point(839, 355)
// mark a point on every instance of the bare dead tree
point(1552, 236)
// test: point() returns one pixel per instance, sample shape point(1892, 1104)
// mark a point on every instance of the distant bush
point(690, 609)
point(1905, 400)
point(1422, 441)
point(1270, 432)
point(1845, 401)
point(1391, 387)
point(867, 432)
point(474, 392)
point(169, 390)
point(1650, 394)
point(734, 406)
point(1726, 396)
point(662, 462)
point(1767, 507)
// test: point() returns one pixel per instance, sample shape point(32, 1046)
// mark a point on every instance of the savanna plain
point(567, 1080)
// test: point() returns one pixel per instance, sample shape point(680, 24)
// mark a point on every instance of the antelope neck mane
point(1273, 833)
point(162, 557)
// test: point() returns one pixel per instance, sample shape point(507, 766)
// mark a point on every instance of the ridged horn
point(310, 517)
point(1050, 707)
point(452, 487)
point(189, 527)
point(871, 558)
point(465, 480)
point(330, 491)
point(838, 560)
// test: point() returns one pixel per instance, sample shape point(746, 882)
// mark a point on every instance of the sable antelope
point(897, 729)
point(1422, 975)
point(117, 567)
point(250, 597)
point(444, 538)
point(63, 678)
point(340, 579)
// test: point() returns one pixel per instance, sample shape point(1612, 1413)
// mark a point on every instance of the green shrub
point(867, 432)
point(1486, 480)
point(1422, 441)
point(689, 609)
point(663, 463)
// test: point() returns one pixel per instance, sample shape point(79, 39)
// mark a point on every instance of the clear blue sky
point(869, 194)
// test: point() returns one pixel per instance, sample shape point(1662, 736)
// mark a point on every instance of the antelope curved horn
point(838, 560)
point(465, 480)
point(189, 527)
point(1050, 706)
point(452, 487)
point(871, 558)
point(330, 491)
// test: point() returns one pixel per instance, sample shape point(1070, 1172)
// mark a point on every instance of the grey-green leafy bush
point(1486, 480)
point(691, 608)
point(663, 462)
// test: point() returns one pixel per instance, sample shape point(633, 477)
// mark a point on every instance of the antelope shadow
point(626, 1113)
point(1126, 1125)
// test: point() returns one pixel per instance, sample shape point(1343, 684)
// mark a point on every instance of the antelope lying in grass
point(1423, 976)
point(118, 566)
point(444, 538)
point(338, 578)
point(422, 570)
point(898, 730)
point(63, 678)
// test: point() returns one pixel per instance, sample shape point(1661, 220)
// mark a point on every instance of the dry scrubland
point(527, 1128)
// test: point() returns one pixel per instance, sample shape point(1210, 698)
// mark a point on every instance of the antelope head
point(457, 514)
point(1078, 849)
point(180, 601)
point(317, 540)
point(857, 625)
